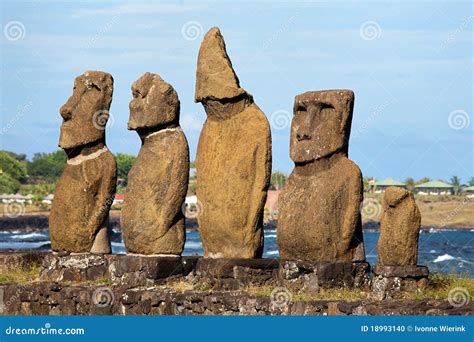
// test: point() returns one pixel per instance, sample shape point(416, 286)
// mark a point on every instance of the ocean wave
point(193, 244)
point(272, 252)
point(444, 257)
point(29, 236)
point(271, 236)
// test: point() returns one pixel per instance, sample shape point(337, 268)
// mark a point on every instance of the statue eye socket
point(90, 85)
point(300, 108)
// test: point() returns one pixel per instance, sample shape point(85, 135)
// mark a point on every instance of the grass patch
point(20, 276)
point(95, 282)
point(441, 284)
point(439, 287)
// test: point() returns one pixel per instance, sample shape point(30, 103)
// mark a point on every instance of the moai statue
point(152, 219)
point(319, 218)
point(233, 162)
point(79, 215)
point(399, 229)
point(397, 247)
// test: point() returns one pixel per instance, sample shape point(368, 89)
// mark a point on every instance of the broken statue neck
point(319, 165)
point(223, 109)
point(85, 150)
point(149, 135)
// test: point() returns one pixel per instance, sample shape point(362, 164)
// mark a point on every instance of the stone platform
point(55, 299)
point(137, 285)
point(390, 280)
point(227, 274)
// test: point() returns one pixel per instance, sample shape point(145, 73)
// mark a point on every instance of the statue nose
point(303, 136)
point(65, 112)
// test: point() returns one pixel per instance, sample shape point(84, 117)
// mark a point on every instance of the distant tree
point(192, 164)
point(39, 190)
point(8, 184)
point(423, 180)
point(47, 167)
point(456, 183)
point(124, 164)
point(471, 181)
point(192, 185)
point(20, 157)
point(278, 180)
point(365, 181)
point(410, 183)
point(13, 167)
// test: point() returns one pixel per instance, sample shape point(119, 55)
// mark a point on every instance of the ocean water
point(448, 251)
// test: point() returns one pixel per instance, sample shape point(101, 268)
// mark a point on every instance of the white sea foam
point(193, 244)
point(433, 251)
point(444, 257)
point(28, 236)
point(271, 236)
point(272, 252)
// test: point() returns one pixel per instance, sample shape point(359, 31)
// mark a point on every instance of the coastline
point(38, 221)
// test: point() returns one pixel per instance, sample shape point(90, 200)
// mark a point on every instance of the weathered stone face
point(152, 219)
point(319, 218)
point(86, 112)
point(321, 124)
point(85, 191)
point(399, 228)
point(155, 103)
point(233, 161)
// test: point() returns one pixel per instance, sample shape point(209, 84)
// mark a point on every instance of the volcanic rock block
point(399, 228)
point(85, 191)
point(152, 218)
point(233, 160)
point(319, 218)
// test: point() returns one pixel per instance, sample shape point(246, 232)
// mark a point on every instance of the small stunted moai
point(399, 228)
point(233, 160)
point(152, 219)
point(85, 191)
point(398, 245)
point(319, 218)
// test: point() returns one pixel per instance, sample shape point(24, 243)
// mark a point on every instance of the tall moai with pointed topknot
point(399, 229)
point(233, 162)
point(152, 219)
point(85, 191)
point(319, 218)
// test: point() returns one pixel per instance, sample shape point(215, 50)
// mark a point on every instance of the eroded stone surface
point(399, 228)
point(233, 161)
point(85, 191)
point(152, 218)
point(319, 218)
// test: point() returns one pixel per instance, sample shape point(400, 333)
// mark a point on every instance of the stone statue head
point(155, 103)
point(86, 112)
point(393, 196)
point(321, 124)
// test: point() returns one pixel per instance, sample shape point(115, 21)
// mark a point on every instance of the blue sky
point(409, 63)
